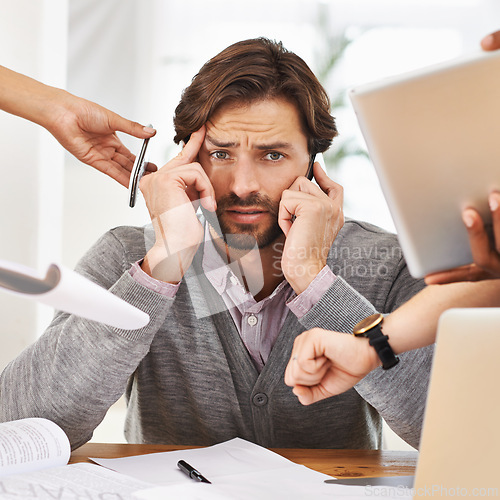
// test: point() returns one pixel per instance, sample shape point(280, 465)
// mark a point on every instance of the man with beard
point(229, 290)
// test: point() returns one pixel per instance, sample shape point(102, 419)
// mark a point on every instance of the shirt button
point(234, 280)
point(252, 320)
point(260, 399)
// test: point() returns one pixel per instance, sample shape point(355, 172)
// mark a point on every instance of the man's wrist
point(304, 302)
point(156, 264)
point(303, 276)
point(166, 289)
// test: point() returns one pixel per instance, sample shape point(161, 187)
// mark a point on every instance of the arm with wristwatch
point(324, 363)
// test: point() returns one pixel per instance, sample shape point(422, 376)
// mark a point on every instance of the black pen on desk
point(191, 472)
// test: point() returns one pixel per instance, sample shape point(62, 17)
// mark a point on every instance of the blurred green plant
point(328, 56)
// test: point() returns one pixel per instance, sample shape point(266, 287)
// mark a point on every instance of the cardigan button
point(260, 399)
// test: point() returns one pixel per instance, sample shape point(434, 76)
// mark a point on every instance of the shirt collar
point(215, 267)
point(220, 275)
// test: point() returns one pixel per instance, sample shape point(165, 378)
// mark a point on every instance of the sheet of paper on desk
point(274, 488)
point(287, 483)
point(231, 458)
point(236, 468)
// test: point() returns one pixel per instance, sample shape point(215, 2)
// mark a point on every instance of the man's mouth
point(245, 215)
point(245, 211)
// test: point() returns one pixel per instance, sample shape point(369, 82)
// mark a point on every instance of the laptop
point(460, 443)
point(434, 138)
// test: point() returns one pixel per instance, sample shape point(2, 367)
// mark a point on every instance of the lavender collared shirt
point(258, 323)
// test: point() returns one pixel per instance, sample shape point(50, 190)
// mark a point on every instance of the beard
point(244, 236)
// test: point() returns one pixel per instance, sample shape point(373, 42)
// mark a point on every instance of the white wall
point(32, 41)
point(109, 63)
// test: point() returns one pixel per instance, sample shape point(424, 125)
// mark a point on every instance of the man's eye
point(219, 155)
point(274, 156)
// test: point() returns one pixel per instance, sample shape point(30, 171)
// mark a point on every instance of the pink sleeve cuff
point(150, 283)
point(303, 303)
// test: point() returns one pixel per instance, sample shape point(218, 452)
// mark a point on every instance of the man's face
point(251, 154)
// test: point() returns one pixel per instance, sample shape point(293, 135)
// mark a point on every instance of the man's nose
point(244, 178)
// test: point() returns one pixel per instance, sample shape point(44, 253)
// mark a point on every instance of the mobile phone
point(137, 172)
point(309, 173)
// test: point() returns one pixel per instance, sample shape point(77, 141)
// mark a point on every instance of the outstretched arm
point(85, 129)
point(325, 363)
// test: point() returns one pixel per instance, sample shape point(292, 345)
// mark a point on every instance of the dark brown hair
point(253, 70)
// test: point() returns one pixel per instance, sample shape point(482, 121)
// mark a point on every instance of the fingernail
point(493, 201)
point(149, 130)
point(468, 218)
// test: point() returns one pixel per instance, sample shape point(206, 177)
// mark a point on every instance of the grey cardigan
point(189, 379)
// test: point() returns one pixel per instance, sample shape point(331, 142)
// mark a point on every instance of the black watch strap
point(380, 343)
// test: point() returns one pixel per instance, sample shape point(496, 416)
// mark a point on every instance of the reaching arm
point(325, 363)
point(85, 129)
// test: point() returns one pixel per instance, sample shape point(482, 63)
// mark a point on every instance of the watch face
point(367, 324)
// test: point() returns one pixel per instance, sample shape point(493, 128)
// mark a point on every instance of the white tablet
point(434, 138)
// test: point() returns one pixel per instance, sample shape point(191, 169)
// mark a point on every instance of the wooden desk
point(338, 463)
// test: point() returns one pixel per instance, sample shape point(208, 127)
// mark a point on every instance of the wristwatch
point(371, 328)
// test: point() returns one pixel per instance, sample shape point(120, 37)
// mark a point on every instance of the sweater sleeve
point(78, 368)
point(339, 309)
point(400, 394)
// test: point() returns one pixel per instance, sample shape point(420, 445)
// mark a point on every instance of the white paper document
point(267, 487)
point(31, 444)
point(71, 482)
point(236, 469)
point(66, 290)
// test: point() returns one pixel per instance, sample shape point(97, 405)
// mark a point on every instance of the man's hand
point(325, 363)
point(88, 131)
point(172, 195)
point(485, 254)
point(311, 217)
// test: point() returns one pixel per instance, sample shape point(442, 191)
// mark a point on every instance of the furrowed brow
point(274, 145)
point(221, 144)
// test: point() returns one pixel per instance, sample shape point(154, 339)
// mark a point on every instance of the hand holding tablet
point(485, 248)
point(433, 138)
